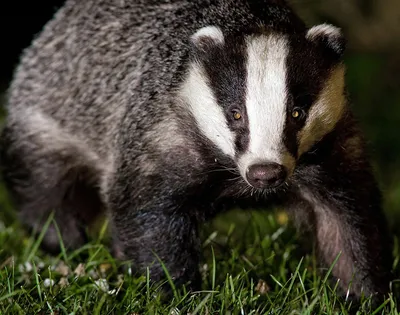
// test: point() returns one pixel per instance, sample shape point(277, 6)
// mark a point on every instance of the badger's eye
point(297, 113)
point(237, 115)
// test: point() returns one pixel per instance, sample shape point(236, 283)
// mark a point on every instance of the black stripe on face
point(308, 68)
point(225, 66)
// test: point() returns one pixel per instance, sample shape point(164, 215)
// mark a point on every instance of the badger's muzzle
point(266, 175)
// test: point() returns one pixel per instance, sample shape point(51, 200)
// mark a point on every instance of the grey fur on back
point(97, 65)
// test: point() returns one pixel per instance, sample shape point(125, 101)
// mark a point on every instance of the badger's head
point(265, 99)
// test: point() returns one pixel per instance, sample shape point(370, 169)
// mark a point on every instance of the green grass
point(253, 265)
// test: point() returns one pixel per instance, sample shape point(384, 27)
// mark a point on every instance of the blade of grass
point(39, 240)
point(291, 283)
point(9, 295)
point(381, 306)
point(203, 302)
point(60, 240)
point(39, 290)
point(167, 274)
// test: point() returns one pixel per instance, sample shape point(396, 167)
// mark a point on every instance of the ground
point(255, 264)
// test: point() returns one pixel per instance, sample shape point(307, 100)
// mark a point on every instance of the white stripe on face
point(266, 102)
point(210, 117)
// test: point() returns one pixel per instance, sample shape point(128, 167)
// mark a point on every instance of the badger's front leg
point(152, 224)
point(340, 201)
point(156, 234)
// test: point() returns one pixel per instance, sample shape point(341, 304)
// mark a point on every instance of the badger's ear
point(207, 37)
point(328, 36)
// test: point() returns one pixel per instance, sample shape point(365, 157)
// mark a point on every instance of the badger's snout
point(266, 175)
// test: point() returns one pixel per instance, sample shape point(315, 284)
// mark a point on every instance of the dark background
point(19, 23)
point(372, 28)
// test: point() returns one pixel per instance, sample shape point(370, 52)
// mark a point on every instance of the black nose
point(267, 175)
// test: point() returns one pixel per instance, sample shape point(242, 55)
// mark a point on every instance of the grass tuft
point(253, 265)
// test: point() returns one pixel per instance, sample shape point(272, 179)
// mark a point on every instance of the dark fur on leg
point(162, 230)
point(342, 202)
point(149, 236)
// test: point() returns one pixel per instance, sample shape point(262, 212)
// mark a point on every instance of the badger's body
point(164, 113)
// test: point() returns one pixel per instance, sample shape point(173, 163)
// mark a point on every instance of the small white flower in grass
point(102, 284)
point(113, 292)
point(40, 265)
point(130, 271)
point(48, 282)
point(26, 267)
point(174, 311)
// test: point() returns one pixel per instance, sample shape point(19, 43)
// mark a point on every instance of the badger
point(164, 113)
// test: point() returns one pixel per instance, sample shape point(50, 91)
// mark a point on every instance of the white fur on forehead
point(208, 35)
point(266, 97)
